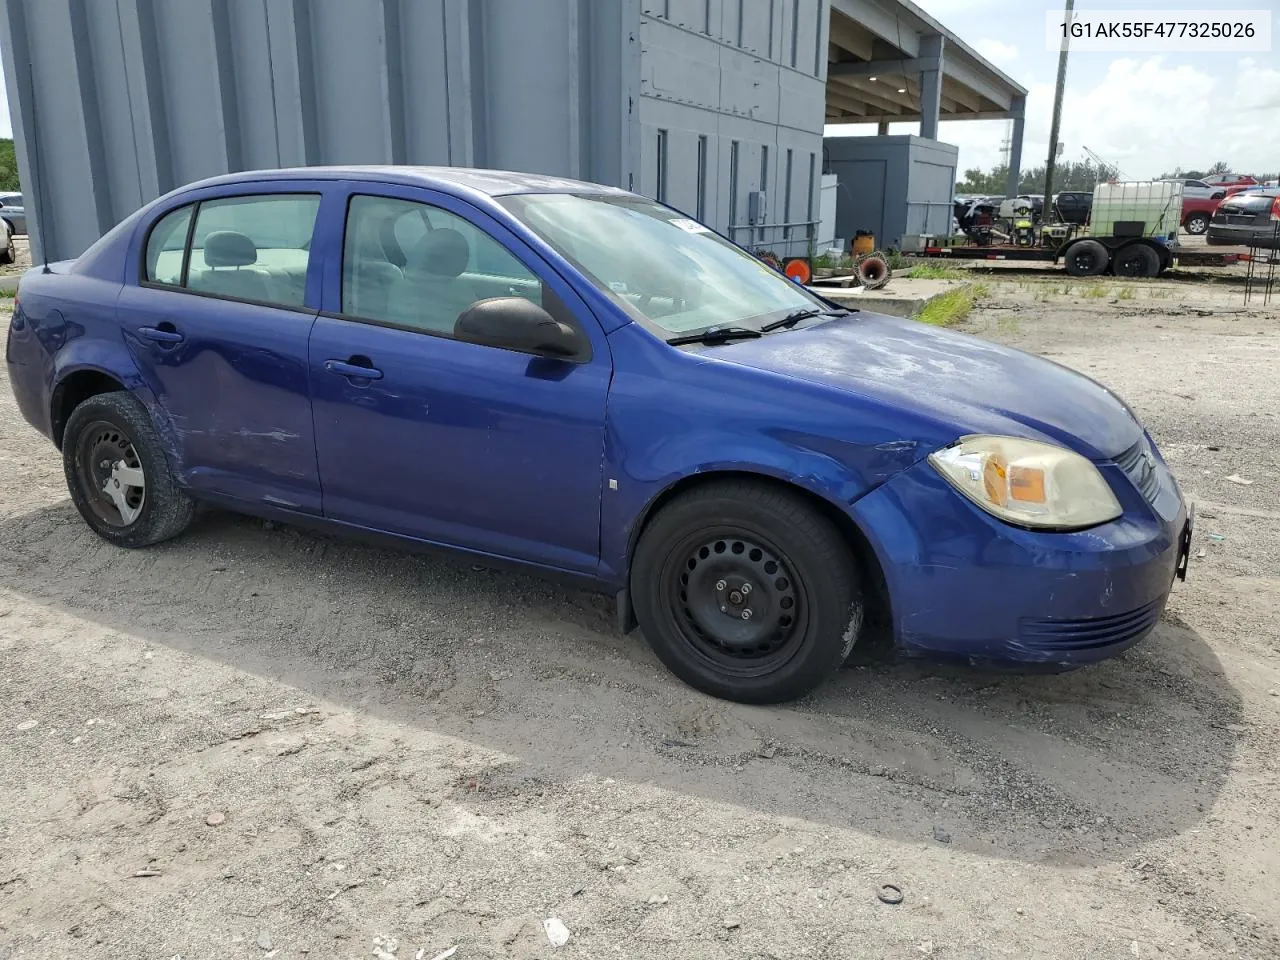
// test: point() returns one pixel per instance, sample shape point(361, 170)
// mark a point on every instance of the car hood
point(955, 380)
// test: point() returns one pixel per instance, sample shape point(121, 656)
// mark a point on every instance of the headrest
point(226, 248)
point(442, 253)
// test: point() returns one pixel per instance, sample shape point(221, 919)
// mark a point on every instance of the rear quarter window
point(165, 246)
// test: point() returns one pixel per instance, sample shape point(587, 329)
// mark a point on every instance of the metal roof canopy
point(885, 61)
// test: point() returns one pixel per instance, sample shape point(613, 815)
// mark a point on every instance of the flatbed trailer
point(1086, 256)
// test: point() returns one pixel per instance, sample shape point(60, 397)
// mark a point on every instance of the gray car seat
point(368, 275)
point(432, 294)
point(226, 253)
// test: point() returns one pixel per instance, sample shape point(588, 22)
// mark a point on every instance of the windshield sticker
point(689, 226)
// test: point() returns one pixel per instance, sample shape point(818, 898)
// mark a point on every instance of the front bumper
point(965, 586)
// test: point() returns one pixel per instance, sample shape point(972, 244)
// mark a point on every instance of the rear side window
point(254, 248)
point(166, 245)
point(243, 248)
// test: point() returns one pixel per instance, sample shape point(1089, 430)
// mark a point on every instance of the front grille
point(1139, 465)
point(1061, 635)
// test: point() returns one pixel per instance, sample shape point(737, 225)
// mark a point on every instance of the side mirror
point(514, 323)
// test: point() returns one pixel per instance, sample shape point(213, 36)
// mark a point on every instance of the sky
point(1148, 113)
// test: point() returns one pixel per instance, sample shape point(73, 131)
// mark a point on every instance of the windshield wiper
point(791, 319)
point(714, 335)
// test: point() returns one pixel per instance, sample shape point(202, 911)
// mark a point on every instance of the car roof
point(491, 183)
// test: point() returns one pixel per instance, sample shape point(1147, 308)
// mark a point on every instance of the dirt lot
point(257, 742)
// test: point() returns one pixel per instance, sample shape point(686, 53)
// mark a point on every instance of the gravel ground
point(258, 742)
point(21, 258)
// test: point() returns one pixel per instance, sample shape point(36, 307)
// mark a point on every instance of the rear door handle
point(163, 334)
point(352, 370)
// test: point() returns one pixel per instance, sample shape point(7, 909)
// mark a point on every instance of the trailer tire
point(1086, 258)
point(1135, 260)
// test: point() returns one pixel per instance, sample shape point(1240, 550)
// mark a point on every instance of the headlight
point(1028, 483)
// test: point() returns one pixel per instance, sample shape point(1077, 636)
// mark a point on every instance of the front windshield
point(660, 265)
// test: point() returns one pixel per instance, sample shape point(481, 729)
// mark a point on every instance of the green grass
point(1126, 293)
point(949, 308)
point(829, 262)
point(932, 271)
point(1094, 291)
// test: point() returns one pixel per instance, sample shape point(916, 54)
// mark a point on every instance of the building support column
point(931, 51)
point(1018, 112)
point(882, 128)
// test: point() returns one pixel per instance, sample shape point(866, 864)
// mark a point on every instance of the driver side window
point(416, 266)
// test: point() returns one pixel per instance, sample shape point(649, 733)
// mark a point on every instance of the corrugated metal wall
point(122, 100)
point(892, 186)
point(716, 73)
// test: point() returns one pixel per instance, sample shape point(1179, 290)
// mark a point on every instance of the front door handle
point(357, 368)
point(165, 333)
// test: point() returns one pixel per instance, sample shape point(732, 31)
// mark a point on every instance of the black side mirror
point(516, 324)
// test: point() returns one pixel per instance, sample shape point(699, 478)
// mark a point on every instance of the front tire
point(118, 475)
point(747, 592)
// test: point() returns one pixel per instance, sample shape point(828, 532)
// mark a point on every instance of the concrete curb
point(900, 298)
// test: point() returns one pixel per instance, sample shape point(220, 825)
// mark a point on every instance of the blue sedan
point(579, 381)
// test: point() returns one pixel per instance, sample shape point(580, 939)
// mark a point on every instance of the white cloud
point(995, 51)
point(1146, 116)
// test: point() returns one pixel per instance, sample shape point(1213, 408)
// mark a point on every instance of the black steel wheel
point(110, 473)
point(1086, 258)
point(746, 591)
point(118, 475)
point(737, 604)
point(1135, 260)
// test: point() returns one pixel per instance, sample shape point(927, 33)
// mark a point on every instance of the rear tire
point(1197, 224)
point(745, 591)
point(1086, 258)
point(1135, 260)
point(7, 255)
point(110, 444)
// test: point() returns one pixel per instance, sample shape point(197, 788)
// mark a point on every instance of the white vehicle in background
point(1200, 190)
point(6, 243)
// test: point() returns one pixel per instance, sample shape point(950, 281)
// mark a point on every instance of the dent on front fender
point(674, 416)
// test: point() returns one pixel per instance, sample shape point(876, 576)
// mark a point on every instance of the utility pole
point(1057, 110)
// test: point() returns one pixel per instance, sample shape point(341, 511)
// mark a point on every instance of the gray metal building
point(716, 106)
point(892, 186)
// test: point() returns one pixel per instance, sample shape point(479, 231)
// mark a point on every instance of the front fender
point(674, 416)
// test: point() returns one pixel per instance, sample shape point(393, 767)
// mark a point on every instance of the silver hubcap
point(126, 487)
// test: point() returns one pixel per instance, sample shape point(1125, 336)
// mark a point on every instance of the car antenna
point(35, 141)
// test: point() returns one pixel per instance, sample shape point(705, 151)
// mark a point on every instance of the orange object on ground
point(799, 271)
point(863, 244)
